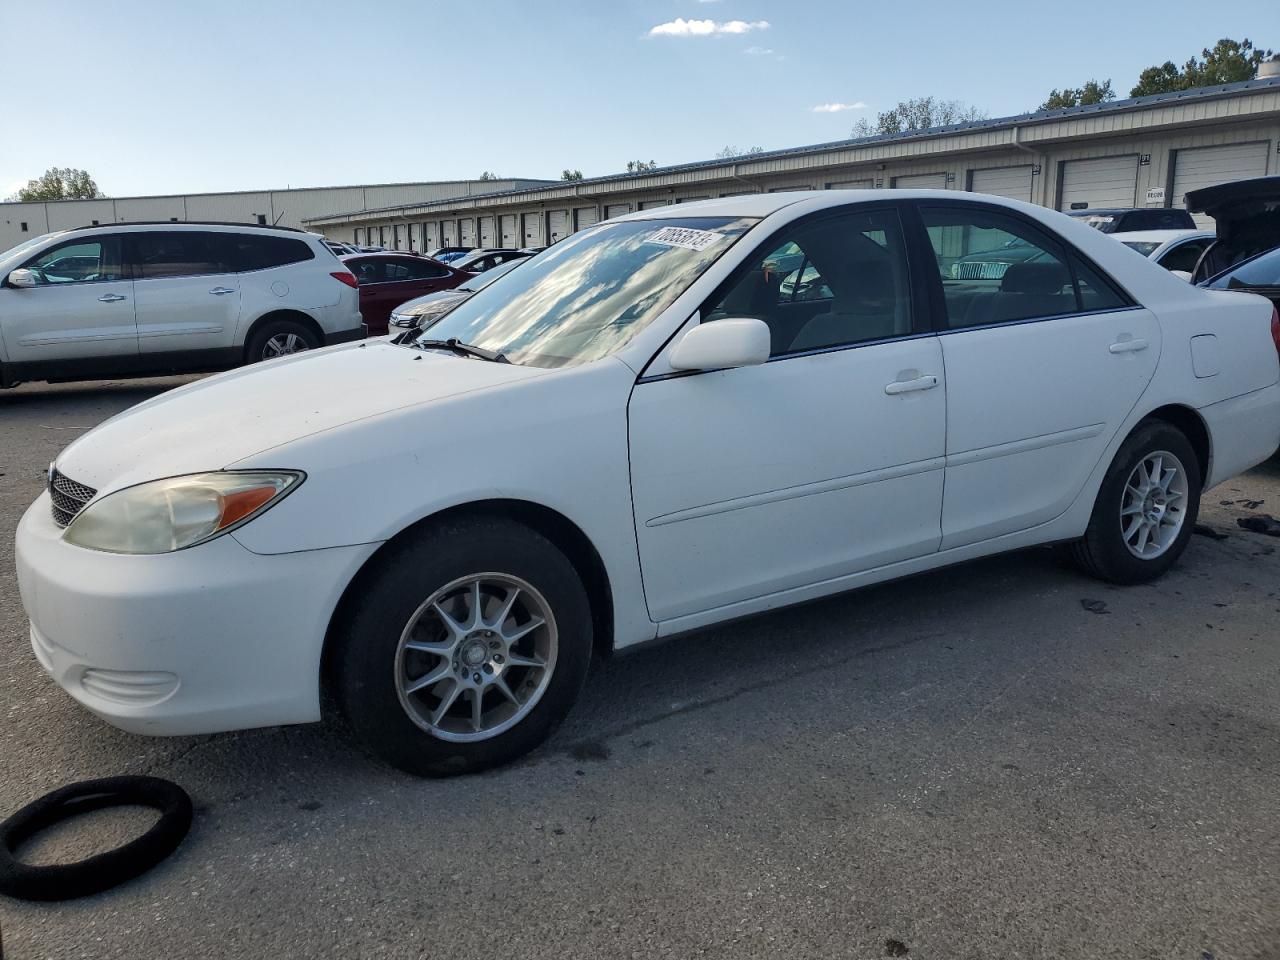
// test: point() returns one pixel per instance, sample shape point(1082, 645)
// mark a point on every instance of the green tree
point(1228, 61)
point(922, 113)
point(571, 175)
point(489, 175)
point(60, 183)
point(729, 153)
point(639, 166)
point(1091, 92)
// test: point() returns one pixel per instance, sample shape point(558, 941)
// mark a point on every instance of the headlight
point(167, 515)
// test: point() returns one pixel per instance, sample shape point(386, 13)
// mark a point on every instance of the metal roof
point(1130, 104)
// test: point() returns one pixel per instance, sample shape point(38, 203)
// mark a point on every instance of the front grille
point(67, 498)
point(978, 270)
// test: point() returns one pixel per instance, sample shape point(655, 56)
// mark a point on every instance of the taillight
point(347, 277)
point(1275, 327)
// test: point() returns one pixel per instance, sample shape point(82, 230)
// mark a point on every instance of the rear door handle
point(110, 298)
point(221, 291)
point(909, 386)
point(1126, 344)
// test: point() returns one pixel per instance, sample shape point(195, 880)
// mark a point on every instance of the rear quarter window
point(249, 252)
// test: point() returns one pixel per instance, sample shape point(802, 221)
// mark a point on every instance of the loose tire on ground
point(393, 640)
point(1104, 551)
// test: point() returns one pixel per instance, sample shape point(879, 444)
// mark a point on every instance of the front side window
point(997, 269)
point(79, 261)
point(592, 292)
point(830, 282)
point(186, 253)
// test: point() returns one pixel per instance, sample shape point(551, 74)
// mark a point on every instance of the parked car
point(146, 299)
point(339, 248)
point(444, 254)
point(1177, 250)
point(387, 280)
point(1132, 219)
point(1261, 275)
point(425, 310)
point(368, 248)
point(1246, 215)
point(478, 261)
point(629, 437)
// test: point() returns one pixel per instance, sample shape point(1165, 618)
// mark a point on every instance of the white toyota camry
point(666, 421)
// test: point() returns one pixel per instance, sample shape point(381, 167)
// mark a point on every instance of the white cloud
point(758, 51)
point(838, 107)
point(680, 27)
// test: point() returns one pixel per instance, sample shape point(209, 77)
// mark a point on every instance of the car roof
point(219, 226)
point(1158, 236)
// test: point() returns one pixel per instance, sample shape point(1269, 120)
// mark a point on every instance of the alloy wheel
point(1153, 506)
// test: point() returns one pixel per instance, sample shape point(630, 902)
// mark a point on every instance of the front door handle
point(909, 386)
point(110, 298)
point(222, 291)
point(1125, 343)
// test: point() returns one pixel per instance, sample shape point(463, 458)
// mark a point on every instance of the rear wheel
point(466, 648)
point(1146, 507)
point(279, 338)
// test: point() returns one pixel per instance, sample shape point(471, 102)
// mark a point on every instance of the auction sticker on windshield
point(685, 237)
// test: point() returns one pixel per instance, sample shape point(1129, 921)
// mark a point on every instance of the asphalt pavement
point(1002, 760)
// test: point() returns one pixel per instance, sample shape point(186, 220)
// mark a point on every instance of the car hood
point(214, 423)
point(432, 302)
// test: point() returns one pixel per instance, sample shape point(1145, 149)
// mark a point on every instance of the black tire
point(256, 349)
point(363, 673)
point(1102, 551)
point(66, 881)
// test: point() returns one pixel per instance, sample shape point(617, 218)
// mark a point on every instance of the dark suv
point(1129, 219)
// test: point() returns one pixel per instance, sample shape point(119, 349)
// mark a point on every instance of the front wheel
point(467, 646)
point(1146, 507)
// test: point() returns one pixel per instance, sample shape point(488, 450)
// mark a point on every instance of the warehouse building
point(287, 208)
point(1146, 151)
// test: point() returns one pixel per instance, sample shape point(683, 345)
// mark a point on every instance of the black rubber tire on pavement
point(1101, 552)
point(257, 343)
point(66, 881)
point(362, 662)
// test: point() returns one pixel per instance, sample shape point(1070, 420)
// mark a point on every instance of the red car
point(387, 280)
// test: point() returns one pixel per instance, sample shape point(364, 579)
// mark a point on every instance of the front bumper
point(203, 640)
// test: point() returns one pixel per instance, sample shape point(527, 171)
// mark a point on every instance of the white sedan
point(1178, 250)
point(639, 433)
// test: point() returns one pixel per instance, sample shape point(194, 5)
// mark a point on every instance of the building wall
point(1155, 150)
point(288, 208)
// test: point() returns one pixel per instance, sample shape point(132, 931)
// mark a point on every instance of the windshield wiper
point(465, 349)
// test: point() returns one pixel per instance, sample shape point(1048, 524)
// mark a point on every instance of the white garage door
point(486, 231)
point(1210, 166)
point(1012, 182)
point(430, 237)
point(1094, 184)
point(851, 184)
point(450, 233)
point(533, 229)
point(467, 232)
point(651, 204)
point(586, 216)
point(616, 210)
point(921, 181)
point(507, 227)
point(557, 225)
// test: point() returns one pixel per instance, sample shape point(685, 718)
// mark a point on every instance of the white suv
point(159, 298)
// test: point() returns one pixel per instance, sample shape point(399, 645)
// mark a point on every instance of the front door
point(1045, 359)
point(80, 309)
point(823, 462)
point(188, 294)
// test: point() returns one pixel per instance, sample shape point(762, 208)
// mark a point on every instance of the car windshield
point(589, 294)
point(1144, 247)
point(27, 244)
point(1262, 271)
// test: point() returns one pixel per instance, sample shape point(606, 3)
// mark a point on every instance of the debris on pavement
point(1262, 524)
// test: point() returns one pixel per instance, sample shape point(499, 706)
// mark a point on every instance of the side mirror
point(721, 344)
point(1182, 274)
point(21, 277)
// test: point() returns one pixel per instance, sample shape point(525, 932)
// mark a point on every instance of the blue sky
point(170, 97)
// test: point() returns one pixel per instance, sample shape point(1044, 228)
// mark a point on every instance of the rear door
point(187, 290)
point(1045, 358)
point(82, 306)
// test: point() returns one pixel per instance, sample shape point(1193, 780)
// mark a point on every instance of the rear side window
point(259, 252)
point(186, 253)
point(413, 269)
point(1185, 256)
point(997, 269)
